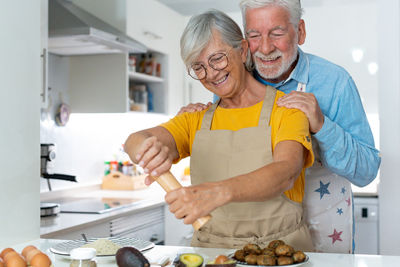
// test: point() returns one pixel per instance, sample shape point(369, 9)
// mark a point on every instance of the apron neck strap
point(269, 100)
point(266, 109)
point(208, 116)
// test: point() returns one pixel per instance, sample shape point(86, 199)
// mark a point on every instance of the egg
point(5, 251)
point(9, 255)
point(221, 259)
point(13, 259)
point(26, 250)
point(40, 260)
point(30, 254)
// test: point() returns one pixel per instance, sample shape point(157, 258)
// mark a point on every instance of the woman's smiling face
point(228, 81)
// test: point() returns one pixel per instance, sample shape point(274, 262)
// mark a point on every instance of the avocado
point(131, 257)
point(190, 260)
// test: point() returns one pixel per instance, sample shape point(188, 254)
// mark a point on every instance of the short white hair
point(292, 6)
point(198, 33)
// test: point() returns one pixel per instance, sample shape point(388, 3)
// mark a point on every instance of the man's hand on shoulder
point(194, 107)
point(306, 102)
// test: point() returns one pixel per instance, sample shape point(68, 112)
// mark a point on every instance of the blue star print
point(343, 190)
point(339, 211)
point(323, 189)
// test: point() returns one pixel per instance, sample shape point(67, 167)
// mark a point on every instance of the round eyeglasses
point(217, 61)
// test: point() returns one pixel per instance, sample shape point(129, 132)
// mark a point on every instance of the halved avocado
point(190, 260)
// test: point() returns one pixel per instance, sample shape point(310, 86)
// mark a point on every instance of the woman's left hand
point(196, 201)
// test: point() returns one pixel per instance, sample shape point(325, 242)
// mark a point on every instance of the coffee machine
point(47, 160)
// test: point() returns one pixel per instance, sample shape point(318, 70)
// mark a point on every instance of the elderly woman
point(248, 155)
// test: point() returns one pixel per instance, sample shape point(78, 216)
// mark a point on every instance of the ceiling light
point(358, 55)
point(373, 68)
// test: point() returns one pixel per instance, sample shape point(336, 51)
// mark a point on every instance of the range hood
point(74, 31)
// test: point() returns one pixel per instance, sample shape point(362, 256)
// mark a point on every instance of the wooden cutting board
point(119, 181)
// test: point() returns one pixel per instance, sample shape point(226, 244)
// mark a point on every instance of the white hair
point(198, 33)
point(293, 6)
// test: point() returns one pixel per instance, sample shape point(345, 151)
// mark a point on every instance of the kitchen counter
point(53, 226)
point(158, 252)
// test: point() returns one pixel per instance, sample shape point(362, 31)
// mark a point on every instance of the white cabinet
point(19, 91)
point(44, 92)
point(176, 232)
point(147, 224)
point(100, 83)
point(160, 28)
point(94, 230)
point(366, 225)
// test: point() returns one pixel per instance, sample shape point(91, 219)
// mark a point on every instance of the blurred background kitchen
point(94, 93)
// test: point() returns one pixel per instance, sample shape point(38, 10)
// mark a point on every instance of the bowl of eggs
point(29, 256)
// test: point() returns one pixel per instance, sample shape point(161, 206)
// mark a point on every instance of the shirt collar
point(299, 74)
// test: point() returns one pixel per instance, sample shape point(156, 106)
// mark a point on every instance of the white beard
point(266, 71)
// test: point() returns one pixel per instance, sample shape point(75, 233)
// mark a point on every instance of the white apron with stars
point(327, 206)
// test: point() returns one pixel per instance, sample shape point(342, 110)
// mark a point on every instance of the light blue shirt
point(345, 140)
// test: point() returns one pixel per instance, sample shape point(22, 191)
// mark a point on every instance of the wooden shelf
point(141, 77)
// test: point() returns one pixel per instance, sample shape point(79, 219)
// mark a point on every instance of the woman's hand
point(153, 157)
point(193, 202)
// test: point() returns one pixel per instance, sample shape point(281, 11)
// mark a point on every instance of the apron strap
point(301, 87)
point(269, 101)
point(208, 116)
point(268, 104)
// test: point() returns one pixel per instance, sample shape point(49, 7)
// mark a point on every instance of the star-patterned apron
point(327, 205)
point(221, 154)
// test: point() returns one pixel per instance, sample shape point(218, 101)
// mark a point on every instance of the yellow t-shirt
point(286, 124)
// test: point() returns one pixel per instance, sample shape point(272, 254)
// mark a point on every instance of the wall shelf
point(141, 77)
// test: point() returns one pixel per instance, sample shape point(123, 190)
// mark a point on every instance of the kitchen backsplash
point(90, 139)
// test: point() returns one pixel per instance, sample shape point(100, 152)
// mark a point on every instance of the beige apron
point(221, 154)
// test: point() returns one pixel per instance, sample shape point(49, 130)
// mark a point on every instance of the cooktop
point(95, 205)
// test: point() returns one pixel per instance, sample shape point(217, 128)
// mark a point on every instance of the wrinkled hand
point(194, 107)
point(153, 157)
point(194, 202)
point(307, 103)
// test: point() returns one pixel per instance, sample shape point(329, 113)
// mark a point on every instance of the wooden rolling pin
point(168, 182)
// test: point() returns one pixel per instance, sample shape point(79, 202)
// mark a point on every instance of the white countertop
point(49, 226)
point(153, 255)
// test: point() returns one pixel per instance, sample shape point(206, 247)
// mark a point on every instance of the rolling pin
point(168, 182)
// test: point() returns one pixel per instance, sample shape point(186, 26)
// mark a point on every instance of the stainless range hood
point(74, 31)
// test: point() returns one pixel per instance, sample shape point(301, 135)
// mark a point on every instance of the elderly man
point(328, 96)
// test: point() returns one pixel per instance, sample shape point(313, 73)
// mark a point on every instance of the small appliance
point(47, 160)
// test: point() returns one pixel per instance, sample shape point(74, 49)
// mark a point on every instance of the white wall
point(389, 110)
point(20, 78)
point(334, 39)
point(88, 140)
point(335, 30)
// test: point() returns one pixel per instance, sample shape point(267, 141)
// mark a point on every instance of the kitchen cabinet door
point(160, 28)
point(20, 88)
point(98, 83)
point(92, 231)
point(176, 232)
point(44, 92)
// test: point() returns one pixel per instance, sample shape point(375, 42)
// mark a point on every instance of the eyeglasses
point(217, 61)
